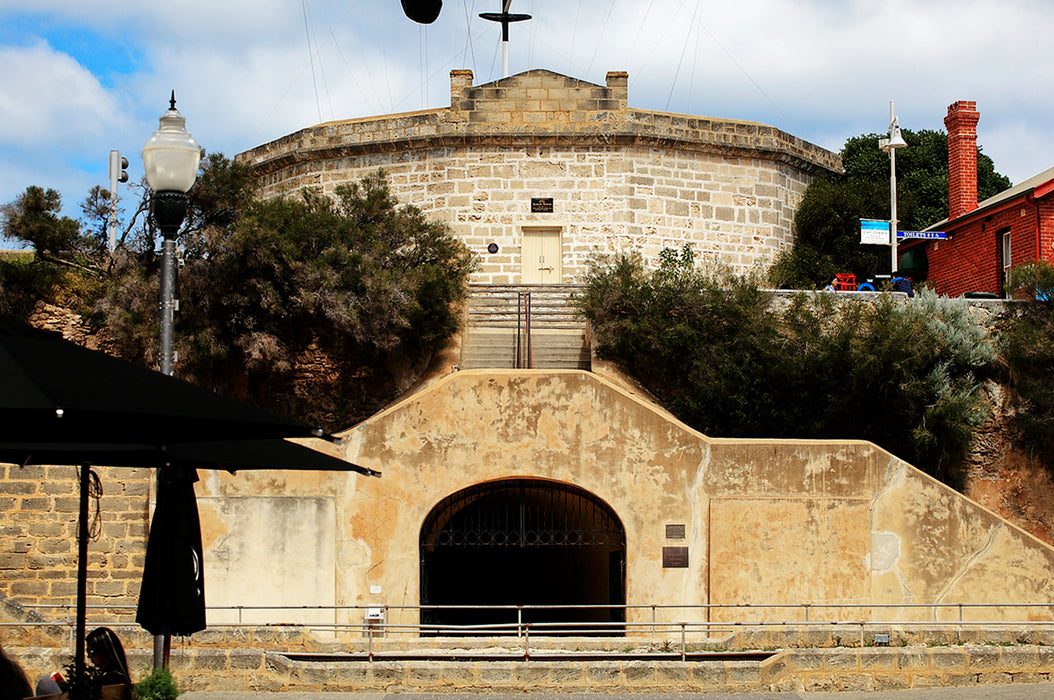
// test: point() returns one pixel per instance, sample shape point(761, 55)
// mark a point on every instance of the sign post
point(876, 232)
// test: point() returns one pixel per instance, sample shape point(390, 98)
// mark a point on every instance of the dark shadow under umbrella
point(64, 404)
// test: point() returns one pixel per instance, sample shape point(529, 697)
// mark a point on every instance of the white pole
point(505, 41)
point(892, 194)
point(111, 224)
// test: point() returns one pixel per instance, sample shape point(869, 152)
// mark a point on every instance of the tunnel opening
point(523, 542)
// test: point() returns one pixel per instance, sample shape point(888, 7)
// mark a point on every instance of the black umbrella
point(63, 404)
point(172, 594)
point(54, 390)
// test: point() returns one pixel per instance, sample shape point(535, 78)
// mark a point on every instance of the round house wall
point(604, 201)
point(538, 173)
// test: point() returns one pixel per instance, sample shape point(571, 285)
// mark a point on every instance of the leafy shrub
point(354, 278)
point(730, 362)
point(1028, 346)
point(159, 685)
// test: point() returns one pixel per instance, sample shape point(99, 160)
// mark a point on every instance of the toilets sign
point(931, 235)
point(876, 232)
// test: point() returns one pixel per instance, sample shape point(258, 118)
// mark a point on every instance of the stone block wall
point(38, 525)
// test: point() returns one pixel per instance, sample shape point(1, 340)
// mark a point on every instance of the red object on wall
point(985, 240)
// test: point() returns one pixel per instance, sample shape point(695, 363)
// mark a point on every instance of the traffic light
point(118, 163)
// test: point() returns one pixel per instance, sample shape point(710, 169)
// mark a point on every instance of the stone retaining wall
point(796, 670)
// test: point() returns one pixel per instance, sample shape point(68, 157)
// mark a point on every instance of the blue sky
point(80, 78)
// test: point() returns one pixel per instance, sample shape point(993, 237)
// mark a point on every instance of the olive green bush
point(353, 284)
point(1027, 343)
point(727, 359)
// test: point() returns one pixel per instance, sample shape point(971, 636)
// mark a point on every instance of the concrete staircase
point(524, 326)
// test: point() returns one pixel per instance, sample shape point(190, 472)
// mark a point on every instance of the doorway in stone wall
point(523, 542)
point(541, 255)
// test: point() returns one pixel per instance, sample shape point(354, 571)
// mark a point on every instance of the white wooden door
point(541, 256)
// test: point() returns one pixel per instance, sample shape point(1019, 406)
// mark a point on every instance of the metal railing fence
point(683, 629)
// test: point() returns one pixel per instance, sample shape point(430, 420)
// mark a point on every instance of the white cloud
point(244, 73)
point(49, 101)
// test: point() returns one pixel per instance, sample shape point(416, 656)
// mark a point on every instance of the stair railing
point(523, 330)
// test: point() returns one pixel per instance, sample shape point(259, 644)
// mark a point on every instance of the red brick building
point(984, 239)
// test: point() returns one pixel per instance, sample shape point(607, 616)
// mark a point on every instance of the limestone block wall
point(38, 528)
point(619, 179)
point(839, 523)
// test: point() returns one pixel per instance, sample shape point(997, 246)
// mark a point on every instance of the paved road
point(1023, 691)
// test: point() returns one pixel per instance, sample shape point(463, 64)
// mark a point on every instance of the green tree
point(62, 265)
point(353, 280)
point(34, 218)
point(828, 220)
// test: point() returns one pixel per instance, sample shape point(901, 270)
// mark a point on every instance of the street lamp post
point(170, 158)
point(890, 146)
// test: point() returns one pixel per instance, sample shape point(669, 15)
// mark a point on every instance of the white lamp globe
point(171, 155)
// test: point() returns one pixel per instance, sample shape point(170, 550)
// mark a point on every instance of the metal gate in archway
point(523, 542)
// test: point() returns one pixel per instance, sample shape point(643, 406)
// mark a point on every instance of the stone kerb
point(872, 669)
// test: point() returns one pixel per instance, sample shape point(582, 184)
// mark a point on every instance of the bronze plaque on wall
point(675, 557)
point(675, 532)
point(541, 205)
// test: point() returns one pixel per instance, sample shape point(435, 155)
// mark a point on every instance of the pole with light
point(890, 146)
point(170, 158)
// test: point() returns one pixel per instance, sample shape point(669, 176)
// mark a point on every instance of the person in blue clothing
point(902, 283)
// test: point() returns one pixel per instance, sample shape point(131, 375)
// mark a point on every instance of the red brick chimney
point(961, 124)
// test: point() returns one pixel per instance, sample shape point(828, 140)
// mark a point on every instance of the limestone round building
point(538, 172)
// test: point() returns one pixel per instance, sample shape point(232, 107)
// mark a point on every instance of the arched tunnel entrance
point(529, 542)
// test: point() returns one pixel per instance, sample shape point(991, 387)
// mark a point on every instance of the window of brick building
point(1006, 256)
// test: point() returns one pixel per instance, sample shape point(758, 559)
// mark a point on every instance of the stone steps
point(488, 348)
point(500, 334)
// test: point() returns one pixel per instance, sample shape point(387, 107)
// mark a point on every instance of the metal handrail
point(806, 614)
point(523, 647)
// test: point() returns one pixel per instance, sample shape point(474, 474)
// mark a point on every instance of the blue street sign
point(938, 235)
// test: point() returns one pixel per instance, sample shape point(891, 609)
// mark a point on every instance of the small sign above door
point(541, 205)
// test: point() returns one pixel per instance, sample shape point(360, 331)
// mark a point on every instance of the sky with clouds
point(81, 77)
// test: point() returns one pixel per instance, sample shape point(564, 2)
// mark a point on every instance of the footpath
point(1032, 691)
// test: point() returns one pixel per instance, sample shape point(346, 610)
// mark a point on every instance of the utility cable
point(311, 59)
point(600, 39)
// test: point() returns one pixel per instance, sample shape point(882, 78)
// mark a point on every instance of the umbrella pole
point(82, 574)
